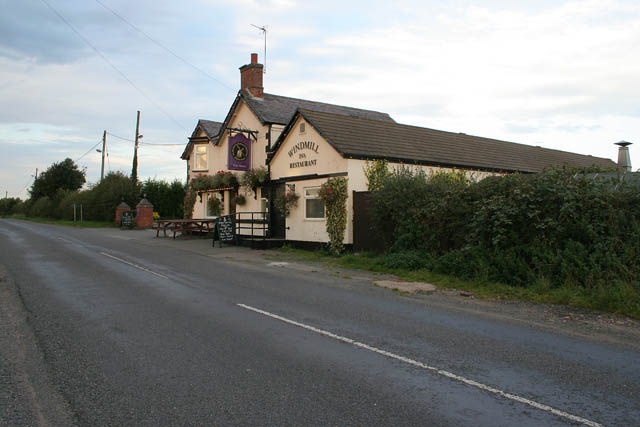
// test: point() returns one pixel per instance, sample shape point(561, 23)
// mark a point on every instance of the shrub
point(564, 227)
point(42, 208)
point(167, 198)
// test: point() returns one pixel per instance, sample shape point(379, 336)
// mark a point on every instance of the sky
point(557, 74)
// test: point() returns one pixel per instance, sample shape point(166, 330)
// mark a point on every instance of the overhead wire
point(88, 151)
point(119, 137)
point(140, 142)
point(157, 43)
point(101, 55)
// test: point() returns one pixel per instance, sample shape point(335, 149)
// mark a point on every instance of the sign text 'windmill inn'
point(303, 143)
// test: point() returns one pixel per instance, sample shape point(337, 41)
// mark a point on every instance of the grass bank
point(625, 301)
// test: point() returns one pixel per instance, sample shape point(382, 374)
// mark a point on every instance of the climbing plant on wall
point(376, 172)
point(334, 195)
point(221, 179)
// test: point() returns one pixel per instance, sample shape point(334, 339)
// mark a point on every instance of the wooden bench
point(183, 226)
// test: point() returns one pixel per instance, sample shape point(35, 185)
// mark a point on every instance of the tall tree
point(62, 175)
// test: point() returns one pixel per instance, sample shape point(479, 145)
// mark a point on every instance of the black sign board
point(126, 219)
point(225, 228)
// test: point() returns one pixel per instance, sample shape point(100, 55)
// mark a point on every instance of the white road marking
point(442, 372)
point(134, 265)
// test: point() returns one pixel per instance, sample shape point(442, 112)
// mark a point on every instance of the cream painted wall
point(243, 118)
point(299, 228)
point(327, 159)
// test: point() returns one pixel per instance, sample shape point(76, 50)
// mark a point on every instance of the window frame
point(196, 154)
point(316, 197)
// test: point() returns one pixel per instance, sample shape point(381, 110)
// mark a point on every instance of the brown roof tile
point(363, 138)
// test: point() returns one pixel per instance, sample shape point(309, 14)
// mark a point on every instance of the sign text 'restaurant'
point(302, 163)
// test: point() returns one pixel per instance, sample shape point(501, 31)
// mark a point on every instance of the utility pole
point(104, 145)
point(36, 173)
point(134, 169)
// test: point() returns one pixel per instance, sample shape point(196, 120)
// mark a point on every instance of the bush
point(408, 260)
point(9, 205)
point(167, 198)
point(563, 227)
point(42, 208)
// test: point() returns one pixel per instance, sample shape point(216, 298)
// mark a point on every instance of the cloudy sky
point(559, 74)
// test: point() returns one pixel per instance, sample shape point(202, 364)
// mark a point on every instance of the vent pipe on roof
point(251, 77)
point(624, 160)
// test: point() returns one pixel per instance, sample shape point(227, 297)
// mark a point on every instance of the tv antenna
point(264, 31)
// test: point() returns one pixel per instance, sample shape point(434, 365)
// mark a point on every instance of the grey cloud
point(29, 30)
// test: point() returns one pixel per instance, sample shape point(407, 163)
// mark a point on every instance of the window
point(313, 206)
point(302, 127)
point(200, 160)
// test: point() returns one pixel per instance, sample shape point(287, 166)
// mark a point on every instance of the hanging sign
point(239, 152)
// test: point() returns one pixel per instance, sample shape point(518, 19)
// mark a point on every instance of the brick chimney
point(624, 160)
point(251, 77)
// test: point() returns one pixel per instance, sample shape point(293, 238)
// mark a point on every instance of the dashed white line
point(133, 265)
point(439, 371)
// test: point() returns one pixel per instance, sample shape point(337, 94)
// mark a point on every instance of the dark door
point(278, 224)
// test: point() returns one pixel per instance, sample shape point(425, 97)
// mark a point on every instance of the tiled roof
point(362, 138)
point(209, 127)
point(280, 109)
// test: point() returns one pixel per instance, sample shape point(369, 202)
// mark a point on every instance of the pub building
point(302, 144)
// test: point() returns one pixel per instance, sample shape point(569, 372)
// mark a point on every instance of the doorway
point(278, 221)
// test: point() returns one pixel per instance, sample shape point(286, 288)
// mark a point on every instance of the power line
point(119, 137)
point(140, 142)
point(152, 143)
point(116, 14)
point(124, 76)
point(88, 151)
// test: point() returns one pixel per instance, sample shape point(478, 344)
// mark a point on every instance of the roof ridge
point(325, 103)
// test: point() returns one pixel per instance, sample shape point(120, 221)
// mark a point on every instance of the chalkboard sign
point(226, 229)
point(126, 220)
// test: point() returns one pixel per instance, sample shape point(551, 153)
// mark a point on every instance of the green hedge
point(563, 228)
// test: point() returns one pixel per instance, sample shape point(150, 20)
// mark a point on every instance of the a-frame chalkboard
point(225, 230)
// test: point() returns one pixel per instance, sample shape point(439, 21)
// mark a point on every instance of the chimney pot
point(254, 58)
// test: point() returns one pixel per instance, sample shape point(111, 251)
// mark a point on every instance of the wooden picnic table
point(184, 226)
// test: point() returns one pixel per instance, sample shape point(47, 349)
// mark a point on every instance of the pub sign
point(239, 152)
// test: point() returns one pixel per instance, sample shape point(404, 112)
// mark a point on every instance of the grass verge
point(80, 224)
point(619, 299)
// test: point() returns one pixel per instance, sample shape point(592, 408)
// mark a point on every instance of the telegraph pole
point(104, 145)
point(134, 169)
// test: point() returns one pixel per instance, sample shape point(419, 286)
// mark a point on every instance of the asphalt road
point(118, 328)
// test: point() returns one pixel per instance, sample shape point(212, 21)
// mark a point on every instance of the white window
point(200, 161)
point(313, 206)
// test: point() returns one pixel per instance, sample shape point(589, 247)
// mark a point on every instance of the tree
point(167, 198)
point(63, 175)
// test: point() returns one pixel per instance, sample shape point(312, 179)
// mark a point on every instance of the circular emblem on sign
point(239, 151)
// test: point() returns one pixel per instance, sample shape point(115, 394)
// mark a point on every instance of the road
point(118, 328)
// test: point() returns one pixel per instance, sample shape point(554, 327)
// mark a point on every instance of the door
point(278, 222)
